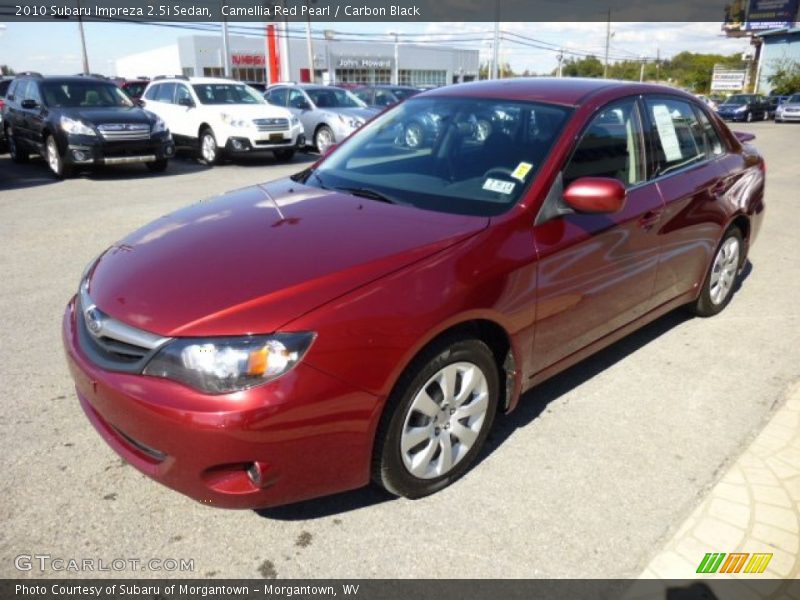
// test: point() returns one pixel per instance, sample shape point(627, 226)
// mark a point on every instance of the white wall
point(161, 61)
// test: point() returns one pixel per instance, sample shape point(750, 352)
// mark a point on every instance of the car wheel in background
point(284, 154)
point(766, 115)
point(324, 139)
point(157, 166)
point(749, 117)
point(209, 151)
point(18, 155)
point(54, 158)
point(721, 277)
point(437, 418)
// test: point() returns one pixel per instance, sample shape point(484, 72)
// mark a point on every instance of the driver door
point(300, 106)
point(596, 272)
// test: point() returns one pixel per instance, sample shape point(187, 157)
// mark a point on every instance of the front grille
point(119, 132)
point(271, 124)
point(110, 343)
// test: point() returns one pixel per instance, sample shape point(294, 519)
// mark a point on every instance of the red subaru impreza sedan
point(366, 318)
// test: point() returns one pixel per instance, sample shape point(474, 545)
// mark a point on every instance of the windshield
point(333, 98)
point(738, 99)
point(456, 155)
point(227, 93)
point(794, 99)
point(404, 94)
point(73, 94)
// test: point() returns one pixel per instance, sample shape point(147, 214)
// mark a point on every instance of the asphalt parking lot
point(588, 478)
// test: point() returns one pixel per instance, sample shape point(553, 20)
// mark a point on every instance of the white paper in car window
point(499, 186)
point(666, 133)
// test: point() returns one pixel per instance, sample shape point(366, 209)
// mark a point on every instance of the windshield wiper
point(368, 193)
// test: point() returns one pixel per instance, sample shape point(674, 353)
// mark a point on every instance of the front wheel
point(54, 159)
point(437, 419)
point(324, 139)
point(721, 278)
point(209, 151)
point(749, 117)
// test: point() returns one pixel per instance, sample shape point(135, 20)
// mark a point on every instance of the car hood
point(732, 106)
point(250, 111)
point(102, 115)
point(252, 260)
point(793, 105)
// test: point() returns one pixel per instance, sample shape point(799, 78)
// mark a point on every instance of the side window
point(182, 93)
point(714, 145)
point(277, 97)
point(610, 147)
point(365, 95)
point(678, 139)
point(32, 92)
point(383, 98)
point(152, 92)
point(21, 90)
point(166, 92)
point(297, 99)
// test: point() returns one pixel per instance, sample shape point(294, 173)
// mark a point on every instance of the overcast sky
point(54, 48)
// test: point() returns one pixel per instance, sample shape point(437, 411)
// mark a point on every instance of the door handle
point(718, 189)
point(649, 219)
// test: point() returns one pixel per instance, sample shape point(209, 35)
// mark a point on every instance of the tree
point(785, 77)
point(6, 70)
point(589, 66)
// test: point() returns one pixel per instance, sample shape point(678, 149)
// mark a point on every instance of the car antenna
point(271, 199)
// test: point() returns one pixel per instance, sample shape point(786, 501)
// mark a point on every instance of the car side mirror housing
point(29, 103)
point(596, 195)
point(187, 102)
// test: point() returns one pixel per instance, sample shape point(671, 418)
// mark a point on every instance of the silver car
point(789, 110)
point(328, 114)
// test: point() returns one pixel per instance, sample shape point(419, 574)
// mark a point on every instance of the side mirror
point(29, 104)
point(596, 195)
point(187, 102)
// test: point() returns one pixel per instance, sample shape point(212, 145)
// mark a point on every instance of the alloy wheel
point(324, 139)
point(53, 156)
point(444, 420)
point(209, 148)
point(723, 272)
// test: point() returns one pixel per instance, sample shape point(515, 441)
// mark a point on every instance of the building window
point(212, 72)
point(364, 76)
point(188, 71)
point(422, 77)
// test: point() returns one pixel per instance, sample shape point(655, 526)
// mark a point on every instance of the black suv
point(81, 121)
point(4, 83)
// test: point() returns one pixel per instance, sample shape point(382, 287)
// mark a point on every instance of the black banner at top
point(386, 10)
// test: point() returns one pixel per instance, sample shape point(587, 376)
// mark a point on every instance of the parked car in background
point(789, 110)
point(745, 107)
point(384, 96)
point(4, 83)
point(220, 117)
point(259, 86)
point(134, 87)
point(367, 317)
point(328, 113)
point(76, 122)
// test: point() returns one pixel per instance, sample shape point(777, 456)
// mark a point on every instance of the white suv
point(222, 117)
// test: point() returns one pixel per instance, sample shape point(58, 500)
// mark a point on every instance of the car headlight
point(76, 126)
point(351, 122)
point(294, 121)
point(223, 365)
point(741, 109)
point(233, 121)
point(159, 125)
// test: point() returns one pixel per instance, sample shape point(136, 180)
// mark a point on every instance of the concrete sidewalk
point(755, 508)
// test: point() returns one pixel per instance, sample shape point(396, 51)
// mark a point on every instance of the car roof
point(200, 80)
point(563, 90)
point(65, 78)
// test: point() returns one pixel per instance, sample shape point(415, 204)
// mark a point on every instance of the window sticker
point(522, 171)
point(496, 185)
point(666, 133)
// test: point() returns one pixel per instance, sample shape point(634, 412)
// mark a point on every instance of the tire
point(54, 159)
point(157, 166)
point(18, 155)
point(414, 464)
point(209, 150)
point(766, 115)
point(749, 117)
point(721, 277)
point(323, 138)
point(284, 154)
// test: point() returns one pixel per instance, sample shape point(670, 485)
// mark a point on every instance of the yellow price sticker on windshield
point(521, 171)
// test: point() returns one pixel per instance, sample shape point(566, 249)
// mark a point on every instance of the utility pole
point(641, 70)
point(396, 73)
point(309, 46)
point(495, 50)
point(226, 55)
point(608, 45)
point(83, 40)
point(560, 57)
point(658, 65)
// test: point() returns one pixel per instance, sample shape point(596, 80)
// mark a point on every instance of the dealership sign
point(361, 62)
point(248, 60)
point(759, 15)
point(728, 80)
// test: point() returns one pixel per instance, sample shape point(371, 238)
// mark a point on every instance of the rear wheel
point(749, 117)
point(54, 159)
point(437, 419)
point(284, 154)
point(721, 277)
point(157, 166)
point(18, 155)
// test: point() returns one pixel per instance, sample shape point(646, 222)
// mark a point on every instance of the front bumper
point(732, 116)
point(240, 144)
point(308, 434)
point(91, 150)
point(792, 116)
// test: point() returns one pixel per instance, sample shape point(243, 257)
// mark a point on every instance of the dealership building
point(778, 46)
point(335, 61)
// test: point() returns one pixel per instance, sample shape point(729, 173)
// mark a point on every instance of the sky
point(57, 48)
